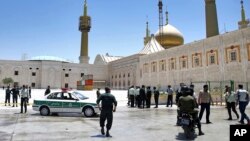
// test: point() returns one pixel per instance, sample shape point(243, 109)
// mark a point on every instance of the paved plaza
point(129, 124)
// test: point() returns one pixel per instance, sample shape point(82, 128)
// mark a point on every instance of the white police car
point(65, 102)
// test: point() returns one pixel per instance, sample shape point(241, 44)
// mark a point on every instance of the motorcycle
point(188, 125)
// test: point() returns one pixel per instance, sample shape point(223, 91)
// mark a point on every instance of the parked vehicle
point(65, 102)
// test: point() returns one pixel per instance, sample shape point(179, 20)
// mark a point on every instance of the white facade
point(40, 74)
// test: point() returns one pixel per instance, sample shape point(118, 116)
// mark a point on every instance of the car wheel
point(88, 112)
point(44, 111)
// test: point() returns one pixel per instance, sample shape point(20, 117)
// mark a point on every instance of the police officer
point(15, 93)
point(107, 108)
point(47, 91)
point(142, 96)
point(24, 98)
point(137, 96)
point(7, 95)
point(131, 93)
point(149, 94)
point(156, 97)
point(187, 103)
point(98, 93)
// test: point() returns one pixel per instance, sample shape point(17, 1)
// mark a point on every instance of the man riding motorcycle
point(188, 104)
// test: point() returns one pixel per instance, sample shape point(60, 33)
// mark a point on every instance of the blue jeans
point(242, 107)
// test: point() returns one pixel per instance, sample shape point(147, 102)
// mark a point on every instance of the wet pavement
point(129, 124)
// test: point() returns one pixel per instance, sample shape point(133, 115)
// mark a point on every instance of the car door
point(54, 101)
point(70, 103)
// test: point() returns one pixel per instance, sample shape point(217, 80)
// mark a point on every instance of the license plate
point(185, 121)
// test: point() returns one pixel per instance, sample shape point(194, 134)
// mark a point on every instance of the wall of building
point(123, 73)
point(225, 64)
point(53, 73)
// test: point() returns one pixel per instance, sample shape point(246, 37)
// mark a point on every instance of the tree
point(7, 80)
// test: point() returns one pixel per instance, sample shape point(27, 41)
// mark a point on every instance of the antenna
point(160, 20)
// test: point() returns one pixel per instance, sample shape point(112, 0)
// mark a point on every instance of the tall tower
point(160, 20)
point(243, 23)
point(147, 37)
point(212, 28)
point(84, 27)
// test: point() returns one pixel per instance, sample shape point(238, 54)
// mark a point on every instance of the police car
point(65, 102)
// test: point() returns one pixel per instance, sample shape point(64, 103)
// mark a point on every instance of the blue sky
point(50, 27)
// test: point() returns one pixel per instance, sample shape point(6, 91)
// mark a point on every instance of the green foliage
point(7, 80)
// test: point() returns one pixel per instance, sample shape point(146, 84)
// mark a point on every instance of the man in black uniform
point(15, 93)
point(107, 109)
point(7, 95)
point(47, 91)
point(156, 96)
point(142, 96)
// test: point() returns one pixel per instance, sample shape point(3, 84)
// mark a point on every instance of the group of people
point(233, 99)
point(141, 96)
point(24, 93)
point(138, 97)
point(188, 102)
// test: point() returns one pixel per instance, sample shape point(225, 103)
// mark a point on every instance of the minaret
point(243, 23)
point(147, 37)
point(84, 27)
point(166, 16)
point(212, 28)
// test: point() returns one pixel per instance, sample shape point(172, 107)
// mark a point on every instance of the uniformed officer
point(156, 96)
point(15, 93)
point(137, 96)
point(131, 92)
point(149, 94)
point(7, 95)
point(187, 103)
point(142, 96)
point(107, 108)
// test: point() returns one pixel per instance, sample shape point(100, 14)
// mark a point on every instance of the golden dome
point(170, 37)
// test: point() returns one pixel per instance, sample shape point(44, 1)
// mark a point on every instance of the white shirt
point(131, 91)
point(24, 93)
point(170, 91)
point(242, 95)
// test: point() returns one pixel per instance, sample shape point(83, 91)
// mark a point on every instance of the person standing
point(15, 94)
point(148, 99)
point(142, 96)
point(47, 91)
point(170, 93)
point(24, 98)
point(29, 92)
point(243, 100)
point(230, 97)
point(225, 92)
point(98, 93)
point(156, 96)
point(109, 104)
point(131, 93)
point(137, 96)
point(205, 99)
point(7, 95)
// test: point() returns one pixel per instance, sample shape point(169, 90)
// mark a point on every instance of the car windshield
point(80, 96)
